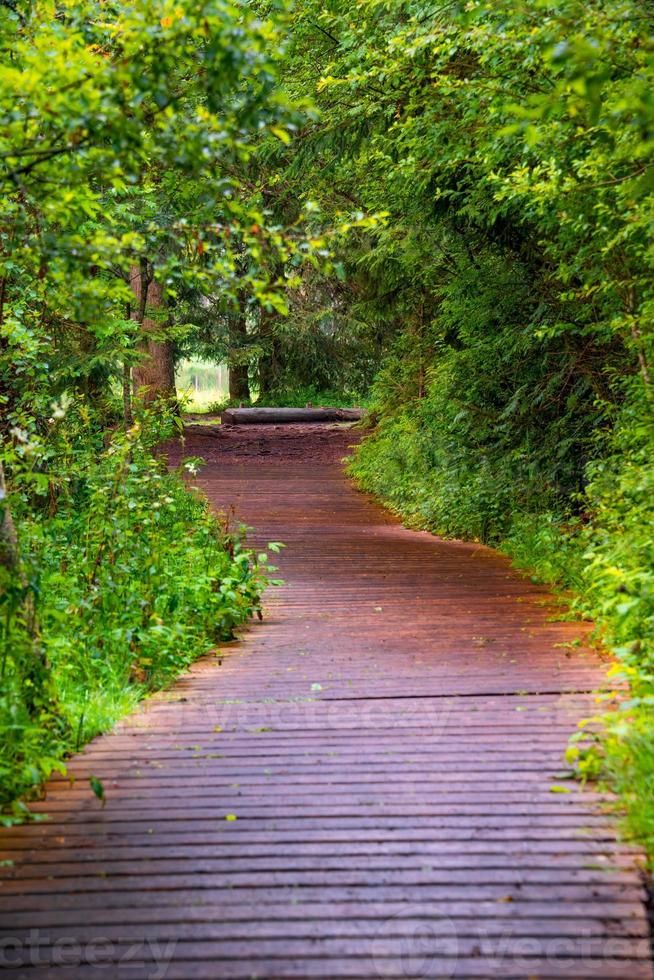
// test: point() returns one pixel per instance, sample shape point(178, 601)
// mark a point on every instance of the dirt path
point(361, 788)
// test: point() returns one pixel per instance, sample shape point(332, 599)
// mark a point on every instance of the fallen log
point(244, 416)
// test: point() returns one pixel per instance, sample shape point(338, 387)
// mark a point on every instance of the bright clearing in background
point(204, 386)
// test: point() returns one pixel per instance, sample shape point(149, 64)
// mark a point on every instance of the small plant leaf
point(98, 788)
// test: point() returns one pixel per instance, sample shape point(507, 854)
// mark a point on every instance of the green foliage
point(130, 576)
point(482, 419)
point(626, 757)
point(619, 554)
point(125, 139)
point(298, 397)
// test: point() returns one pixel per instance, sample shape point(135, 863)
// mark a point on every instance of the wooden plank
point(284, 416)
point(387, 740)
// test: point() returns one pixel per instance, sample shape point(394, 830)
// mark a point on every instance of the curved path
point(362, 787)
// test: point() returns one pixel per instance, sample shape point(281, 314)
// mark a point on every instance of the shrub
point(126, 577)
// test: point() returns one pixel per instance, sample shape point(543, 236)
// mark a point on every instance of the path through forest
point(361, 787)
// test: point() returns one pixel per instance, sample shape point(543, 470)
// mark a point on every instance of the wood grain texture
point(271, 416)
point(386, 740)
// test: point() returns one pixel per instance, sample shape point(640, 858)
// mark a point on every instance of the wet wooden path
point(361, 788)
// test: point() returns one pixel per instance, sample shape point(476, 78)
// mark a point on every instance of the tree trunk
point(127, 394)
point(281, 416)
point(239, 387)
point(154, 376)
point(269, 362)
point(8, 536)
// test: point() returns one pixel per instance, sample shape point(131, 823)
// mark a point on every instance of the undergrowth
point(308, 395)
point(126, 577)
point(296, 397)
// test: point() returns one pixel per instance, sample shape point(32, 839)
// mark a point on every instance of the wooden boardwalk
point(361, 788)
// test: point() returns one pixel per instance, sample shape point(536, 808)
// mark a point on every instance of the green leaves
point(125, 134)
point(146, 573)
point(98, 789)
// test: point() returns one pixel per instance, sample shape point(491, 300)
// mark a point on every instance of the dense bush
point(126, 577)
